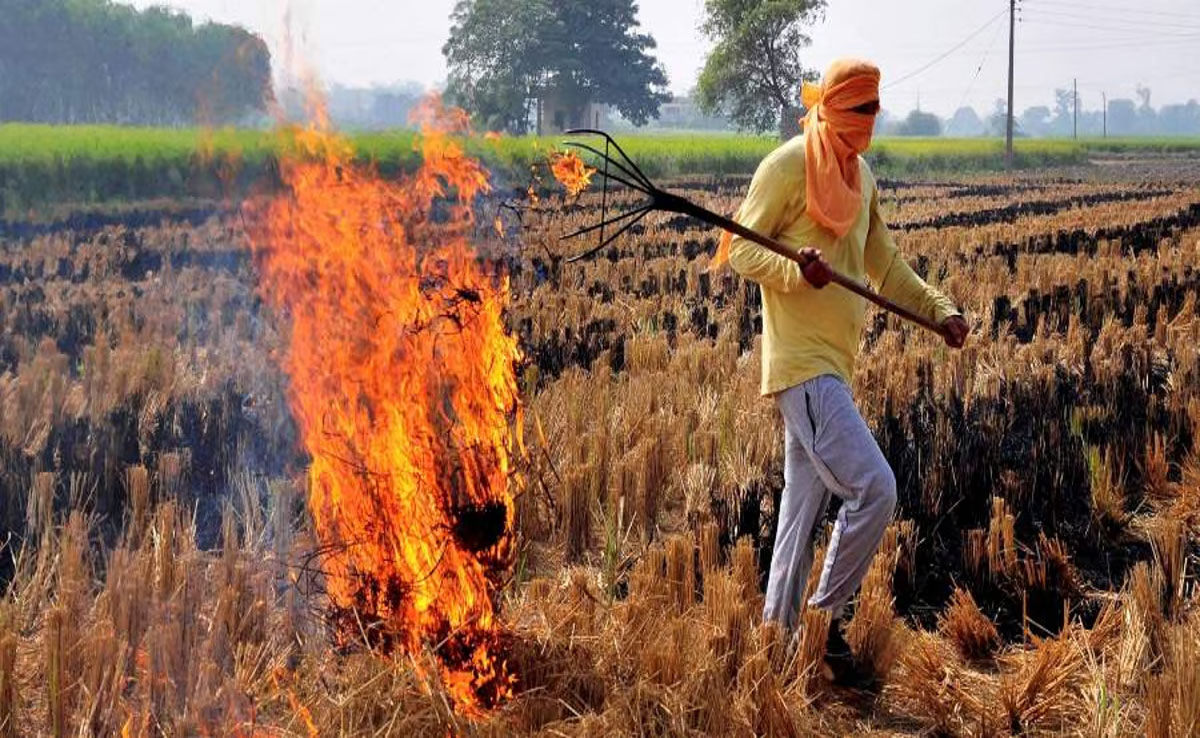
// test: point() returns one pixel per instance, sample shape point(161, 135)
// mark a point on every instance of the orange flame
point(571, 172)
point(403, 386)
point(281, 680)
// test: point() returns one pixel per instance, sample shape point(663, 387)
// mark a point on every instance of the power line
point(946, 53)
point(1126, 43)
point(1122, 23)
point(1109, 84)
point(1124, 15)
point(986, 54)
point(1119, 33)
point(1038, 20)
point(1136, 14)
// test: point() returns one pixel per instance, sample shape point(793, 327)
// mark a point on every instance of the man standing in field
point(817, 194)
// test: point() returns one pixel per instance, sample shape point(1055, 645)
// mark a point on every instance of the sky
point(935, 54)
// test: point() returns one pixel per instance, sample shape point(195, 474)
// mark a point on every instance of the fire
point(571, 172)
point(403, 386)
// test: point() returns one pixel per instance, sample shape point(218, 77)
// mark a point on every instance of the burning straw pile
point(402, 382)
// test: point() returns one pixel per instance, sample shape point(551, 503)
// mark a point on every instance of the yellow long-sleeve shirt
point(808, 332)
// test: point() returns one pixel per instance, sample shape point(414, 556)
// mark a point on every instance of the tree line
point(510, 60)
point(375, 108)
point(507, 56)
point(1122, 117)
point(96, 61)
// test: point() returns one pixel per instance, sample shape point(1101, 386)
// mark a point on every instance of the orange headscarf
point(834, 137)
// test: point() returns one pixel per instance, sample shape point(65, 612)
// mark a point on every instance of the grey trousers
point(829, 450)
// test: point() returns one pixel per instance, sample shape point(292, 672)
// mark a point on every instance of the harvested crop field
point(164, 576)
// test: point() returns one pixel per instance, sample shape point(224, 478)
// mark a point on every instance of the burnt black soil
point(1024, 446)
point(227, 428)
point(1134, 238)
point(216, 435)
point(85, 224)
point(1029, 444)
point(1014, 212)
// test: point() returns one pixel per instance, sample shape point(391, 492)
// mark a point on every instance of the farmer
point(815, 193)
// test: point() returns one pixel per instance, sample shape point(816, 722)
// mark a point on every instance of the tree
point(1036, 120)
point(504, 54)
point(600, 57)
point(1063, 122)
point(753, 73)
point(918, 123)
point(1147, 117)
point(94, 61)
point(497, 59)
point(1122, 117)
point(1180, 119)
point(965, 122)
point(1143, 93)
point(997, 123)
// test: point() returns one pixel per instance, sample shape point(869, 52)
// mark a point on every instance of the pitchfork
point(625, 172)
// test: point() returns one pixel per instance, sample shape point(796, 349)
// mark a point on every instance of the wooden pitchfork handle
point(674, 203)
point(626, 172)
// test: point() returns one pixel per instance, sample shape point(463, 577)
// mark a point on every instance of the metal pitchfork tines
point(625, 172)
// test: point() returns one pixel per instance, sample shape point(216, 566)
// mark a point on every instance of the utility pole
point(1075, 94)
point(1008, 136)
point(1104, 97)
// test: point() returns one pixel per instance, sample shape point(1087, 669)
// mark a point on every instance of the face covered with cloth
point(838, 127)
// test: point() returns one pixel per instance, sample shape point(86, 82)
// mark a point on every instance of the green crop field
point(1152, 144)
point(45, 165)
point(42, 165)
